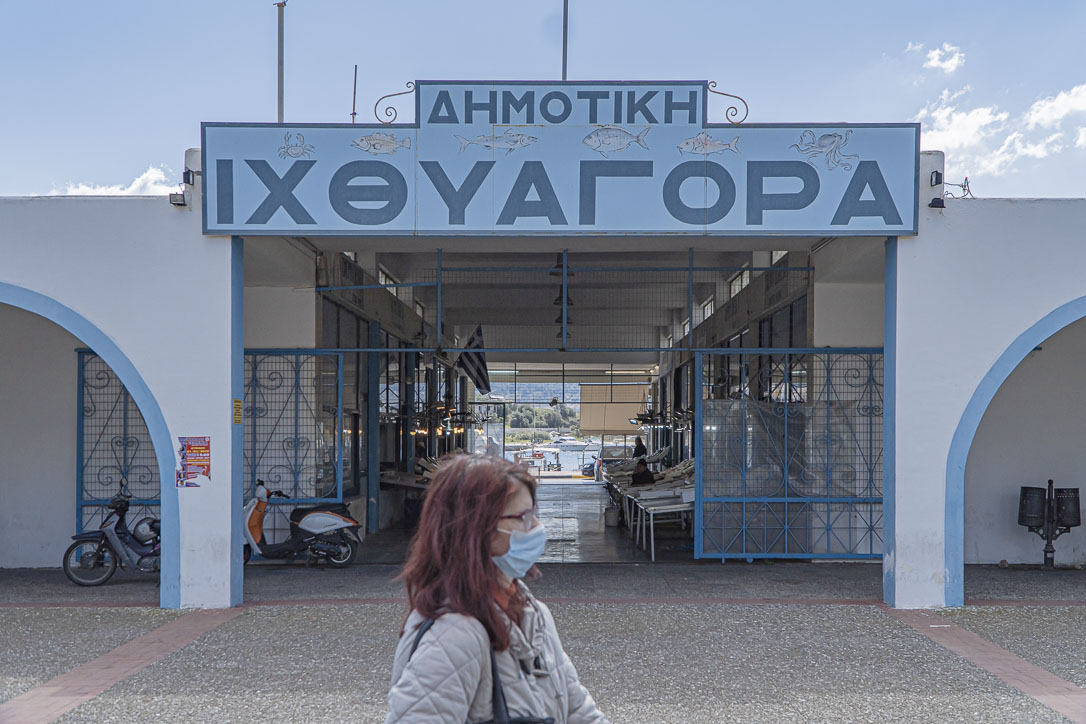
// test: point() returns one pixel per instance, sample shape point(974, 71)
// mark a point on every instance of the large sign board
point(518, 158)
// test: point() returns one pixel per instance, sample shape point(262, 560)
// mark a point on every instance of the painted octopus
point(301, 149)
point(828, 145)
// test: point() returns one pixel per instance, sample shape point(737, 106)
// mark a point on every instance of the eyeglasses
point(524, 518)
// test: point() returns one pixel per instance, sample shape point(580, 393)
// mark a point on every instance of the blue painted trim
point(237, 431)
point(889, 424)
point(689, 268)
point(705, 350)
point(373, 430)
point(339, 428)
point(788, 499)
point(375, 286)
point(699, 456)
point(107, 349)
point(962, 441)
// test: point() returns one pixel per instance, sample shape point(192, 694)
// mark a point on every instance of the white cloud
point(151, 182)
point(983, 139)
point(1080, 138)
point(1048, 112)
point(1014, 147)
point(914, 47)
point(947, 128)
point(947, 59)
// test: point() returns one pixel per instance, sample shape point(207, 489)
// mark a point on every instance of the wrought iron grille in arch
point(114, 447)
point(790, 454)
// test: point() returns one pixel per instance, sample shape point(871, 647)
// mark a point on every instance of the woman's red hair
point(448, 567)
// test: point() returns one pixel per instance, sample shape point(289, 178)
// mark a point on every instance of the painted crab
point(828, 145)
point(301, 149)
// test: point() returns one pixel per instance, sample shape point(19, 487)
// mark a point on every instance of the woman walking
point(477, 646)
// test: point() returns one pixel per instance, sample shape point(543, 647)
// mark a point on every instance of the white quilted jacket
point(448, 678)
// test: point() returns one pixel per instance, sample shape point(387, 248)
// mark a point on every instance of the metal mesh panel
point(291, 423)
point(292, 419)
point(792, 455)
point(115, 447)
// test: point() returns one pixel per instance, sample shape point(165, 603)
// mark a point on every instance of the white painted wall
point(140, 271)
point(37, 440)
point(1033, 431)
point(979, 274)
point(848, 315)
point(280, 317)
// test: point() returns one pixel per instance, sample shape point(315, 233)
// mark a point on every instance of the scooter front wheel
point(89, 563)
point(348, 549)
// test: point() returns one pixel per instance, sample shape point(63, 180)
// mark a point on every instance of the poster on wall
point(195, 467)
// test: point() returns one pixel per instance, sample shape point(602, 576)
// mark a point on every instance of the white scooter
point(322, 532)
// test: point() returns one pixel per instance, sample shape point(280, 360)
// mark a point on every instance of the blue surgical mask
point(524, 550)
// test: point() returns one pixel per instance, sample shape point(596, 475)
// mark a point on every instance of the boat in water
point(568, 442)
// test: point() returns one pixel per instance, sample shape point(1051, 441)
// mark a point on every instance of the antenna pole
point(354, 93)
point(281, 6)
point(565, 35)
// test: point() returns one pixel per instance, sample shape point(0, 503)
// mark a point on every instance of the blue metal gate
point(789, 453)
point(113, 446)
point(293, 435)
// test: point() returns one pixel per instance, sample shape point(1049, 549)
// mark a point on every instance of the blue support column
point(237, 428)
point(373, 429)
point(889, 422)
point(699, 455)
point(411, 360)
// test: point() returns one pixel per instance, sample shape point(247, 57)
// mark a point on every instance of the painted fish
point(610, 139)
point(380, 143)
point(705, 144)
point(508, 141)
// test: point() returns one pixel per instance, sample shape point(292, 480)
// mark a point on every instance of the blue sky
point(106, 97)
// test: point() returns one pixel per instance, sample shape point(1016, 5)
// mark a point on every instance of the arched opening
point(1017, 398)
point(39, 483)
point(1031, 432)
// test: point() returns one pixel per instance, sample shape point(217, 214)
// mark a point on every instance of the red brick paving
point(67, 691)
point(1038, 683)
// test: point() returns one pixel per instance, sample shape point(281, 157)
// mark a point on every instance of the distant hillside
point(537, 392)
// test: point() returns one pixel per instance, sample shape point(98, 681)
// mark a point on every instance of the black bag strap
point(497, 697)
point(423, 628)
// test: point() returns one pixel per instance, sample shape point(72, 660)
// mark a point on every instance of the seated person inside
point(641, 474)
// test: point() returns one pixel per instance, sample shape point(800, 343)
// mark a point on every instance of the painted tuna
point(610, 139)
point(705, 144)
point(508, 141)
point(380, 143)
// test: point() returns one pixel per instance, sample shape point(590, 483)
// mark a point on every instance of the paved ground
point(666, 643)
point(676, 641)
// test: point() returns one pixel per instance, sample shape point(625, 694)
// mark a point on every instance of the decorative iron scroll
point(733, 110)
point(389, 111)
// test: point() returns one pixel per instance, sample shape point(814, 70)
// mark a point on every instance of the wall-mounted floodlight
point(177, 199)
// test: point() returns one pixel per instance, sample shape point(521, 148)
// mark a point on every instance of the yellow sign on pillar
point(237, 412)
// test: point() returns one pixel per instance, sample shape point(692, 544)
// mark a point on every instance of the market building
point(851, 366)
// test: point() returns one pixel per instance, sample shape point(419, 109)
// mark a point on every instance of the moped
point(94, 556)
point(322, 532)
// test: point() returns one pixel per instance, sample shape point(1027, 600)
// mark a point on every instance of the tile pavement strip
point(1032, 680)
point(83, 683)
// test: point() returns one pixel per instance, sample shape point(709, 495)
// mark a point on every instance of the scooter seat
point(297, 514)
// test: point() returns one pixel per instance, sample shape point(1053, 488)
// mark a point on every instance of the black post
point(1050, 527)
